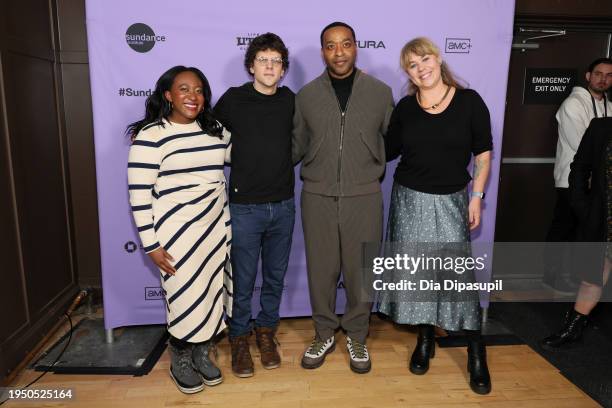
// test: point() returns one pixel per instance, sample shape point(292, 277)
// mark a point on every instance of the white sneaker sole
point(214, 382)
point(183, 389)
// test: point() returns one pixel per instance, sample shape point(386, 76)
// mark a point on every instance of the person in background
point(436, 130)
point(573, 117)
point(340, 120)
point(590, 193)
point(177, 194)
point(259, 115)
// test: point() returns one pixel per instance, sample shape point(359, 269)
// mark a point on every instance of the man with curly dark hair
point(259, 115)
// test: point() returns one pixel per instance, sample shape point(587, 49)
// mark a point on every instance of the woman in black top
point(436, 129)
point(590, 188)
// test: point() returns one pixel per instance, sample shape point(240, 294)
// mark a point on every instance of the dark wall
point(46, 170)
point(568, 8)
point(76, 95)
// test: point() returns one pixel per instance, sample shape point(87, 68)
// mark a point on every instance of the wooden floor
point(520, 377)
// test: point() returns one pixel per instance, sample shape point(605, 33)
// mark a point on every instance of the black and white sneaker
point(314, 356)
point(182, 372)
point(211, 374)
point(360, 358)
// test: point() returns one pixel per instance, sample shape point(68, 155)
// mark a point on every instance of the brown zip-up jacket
point(343, 155)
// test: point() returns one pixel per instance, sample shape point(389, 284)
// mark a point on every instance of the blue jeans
point(265, 228)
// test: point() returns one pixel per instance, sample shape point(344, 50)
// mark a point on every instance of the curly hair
point(263, 42)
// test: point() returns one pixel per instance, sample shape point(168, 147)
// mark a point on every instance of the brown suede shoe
point(266, 342)
point(242, 363)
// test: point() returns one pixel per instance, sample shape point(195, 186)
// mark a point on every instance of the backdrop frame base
point(134, 350)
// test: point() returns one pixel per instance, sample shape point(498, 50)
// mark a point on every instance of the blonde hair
point(422, 46)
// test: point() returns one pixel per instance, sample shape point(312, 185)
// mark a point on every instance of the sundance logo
point(370, 44)
point(141, 38)
point(458, 46)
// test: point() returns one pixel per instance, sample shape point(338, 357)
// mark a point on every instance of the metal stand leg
point(89, 310)
point(109, 336)
point(485, 317)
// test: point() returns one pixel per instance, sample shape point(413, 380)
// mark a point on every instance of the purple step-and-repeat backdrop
point(474, 36)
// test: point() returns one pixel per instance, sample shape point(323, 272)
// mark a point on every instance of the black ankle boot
point(424, 350)
point(570, 333)
point(480, 380)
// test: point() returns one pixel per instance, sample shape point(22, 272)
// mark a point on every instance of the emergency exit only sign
point(547, 86)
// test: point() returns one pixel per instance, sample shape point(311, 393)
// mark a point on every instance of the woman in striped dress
point(178, 199)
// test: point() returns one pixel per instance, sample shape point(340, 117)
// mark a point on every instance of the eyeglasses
point(264, 61)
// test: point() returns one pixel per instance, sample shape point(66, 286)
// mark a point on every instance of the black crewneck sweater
point(261, 126)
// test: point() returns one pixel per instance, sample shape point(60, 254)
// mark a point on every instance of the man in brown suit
point(340, 118)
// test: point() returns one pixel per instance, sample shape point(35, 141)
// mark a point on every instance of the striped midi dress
point(178, 200)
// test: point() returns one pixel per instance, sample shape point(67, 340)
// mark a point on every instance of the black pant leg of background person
point(562, 229)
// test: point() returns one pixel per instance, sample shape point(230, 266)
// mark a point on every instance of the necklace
point(435, 105)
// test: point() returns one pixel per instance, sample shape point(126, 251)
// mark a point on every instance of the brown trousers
point(335, 229)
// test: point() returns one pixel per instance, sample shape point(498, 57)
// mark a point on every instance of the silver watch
point(478, 194)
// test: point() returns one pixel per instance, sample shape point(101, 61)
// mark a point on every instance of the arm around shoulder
point(393, 135)
point(389, 105)
point(300, 138)
point(227, 139)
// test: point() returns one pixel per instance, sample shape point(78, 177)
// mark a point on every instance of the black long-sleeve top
point(436, 149)
point(261, 127)
point(588, 184)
